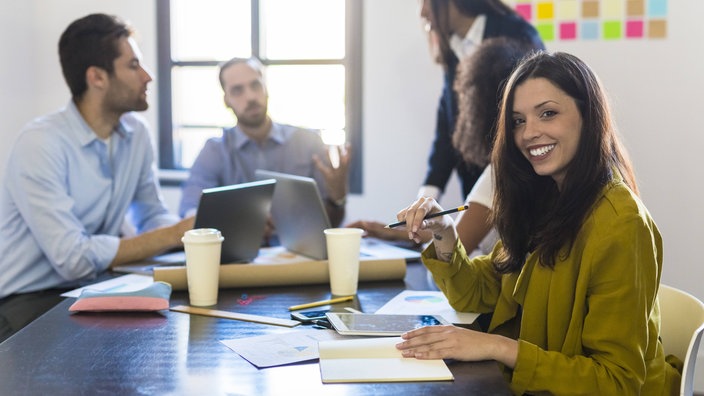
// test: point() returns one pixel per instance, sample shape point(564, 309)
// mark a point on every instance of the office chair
point(681, 329)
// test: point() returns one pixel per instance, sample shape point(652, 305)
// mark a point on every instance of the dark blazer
point(443, 156)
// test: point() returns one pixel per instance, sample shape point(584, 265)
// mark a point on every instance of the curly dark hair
point(479, 82)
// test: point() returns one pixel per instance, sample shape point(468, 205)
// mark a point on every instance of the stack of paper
point(375, 360)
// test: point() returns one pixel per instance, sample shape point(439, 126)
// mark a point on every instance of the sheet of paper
point(413, 302)
point(125, 283)
point(373, 247)
point(279, 349)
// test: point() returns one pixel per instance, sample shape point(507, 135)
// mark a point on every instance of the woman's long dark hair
point(479, 82)
point(529, 212)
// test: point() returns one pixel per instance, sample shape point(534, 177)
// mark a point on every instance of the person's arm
point(158, 230)
point(616, 339)
point(336, 211)
point(470, 285)
point(623, 259)
point(452, 342)
point(336, 181)
point(443, 156)
point(38, 186)
point(378, 230)
point(205, 173)
point(151, 243)
point(441, 227)
point(473, 224)
point(147, 210)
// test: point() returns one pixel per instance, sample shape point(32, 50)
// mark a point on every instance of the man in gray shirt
point(256, 142)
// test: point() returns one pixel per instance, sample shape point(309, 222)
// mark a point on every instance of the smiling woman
point(572, 284)
point(547, 127)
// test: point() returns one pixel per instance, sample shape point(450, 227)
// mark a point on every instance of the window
point(312, 53)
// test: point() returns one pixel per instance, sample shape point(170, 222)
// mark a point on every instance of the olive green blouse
point(587, 327)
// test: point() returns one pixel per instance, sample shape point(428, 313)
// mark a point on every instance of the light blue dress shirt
point(65, 197)
point(233, 158)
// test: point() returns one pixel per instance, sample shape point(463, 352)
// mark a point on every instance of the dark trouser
point(17, 310)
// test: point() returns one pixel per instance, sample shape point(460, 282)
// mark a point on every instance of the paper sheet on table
point(280, 271)
point(413, 302)
point(279, 349)
point(125, 283)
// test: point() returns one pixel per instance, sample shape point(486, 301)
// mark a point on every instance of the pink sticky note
point(568, 31)
point(634, 29)
point(525, 10)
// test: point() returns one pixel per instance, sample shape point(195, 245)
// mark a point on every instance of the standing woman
point(458, 28)
point(573, 282)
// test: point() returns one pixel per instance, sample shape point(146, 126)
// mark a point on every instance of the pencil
point(321, 302)
point(430, 216)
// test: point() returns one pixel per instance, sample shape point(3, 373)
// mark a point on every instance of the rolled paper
point(285, 273)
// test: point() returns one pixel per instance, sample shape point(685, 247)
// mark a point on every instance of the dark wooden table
point(179, 354)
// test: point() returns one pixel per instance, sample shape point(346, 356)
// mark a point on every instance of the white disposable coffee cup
point(203, 246)
point(343, 259)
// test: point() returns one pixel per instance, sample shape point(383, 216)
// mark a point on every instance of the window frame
point(353, 85)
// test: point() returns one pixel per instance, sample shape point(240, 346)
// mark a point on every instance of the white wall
point(655, 88)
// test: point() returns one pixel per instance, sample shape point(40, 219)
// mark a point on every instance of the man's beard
point(255, 121)
point(122, 102)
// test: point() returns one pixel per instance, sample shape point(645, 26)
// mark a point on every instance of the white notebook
point(375, 360)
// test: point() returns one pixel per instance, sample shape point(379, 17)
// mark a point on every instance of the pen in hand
point(430, 216)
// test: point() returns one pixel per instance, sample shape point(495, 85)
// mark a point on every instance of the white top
point(463, 47)
point(483, 190)
point(483, 194)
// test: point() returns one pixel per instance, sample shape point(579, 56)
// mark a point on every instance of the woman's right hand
point(442, 227)
point(379, 230)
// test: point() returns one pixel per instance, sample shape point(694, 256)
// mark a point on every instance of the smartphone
point(309, 316)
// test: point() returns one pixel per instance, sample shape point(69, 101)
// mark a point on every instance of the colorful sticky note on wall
point(634, 29)
point(595, 19)
point(612, 30)
point(568, 31)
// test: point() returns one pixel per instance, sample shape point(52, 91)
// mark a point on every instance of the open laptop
point(239, 211)
point(300, 217)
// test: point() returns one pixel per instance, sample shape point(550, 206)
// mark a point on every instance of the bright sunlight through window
point(302, 42)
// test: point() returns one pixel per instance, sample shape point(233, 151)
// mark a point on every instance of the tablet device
point(380, 325)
